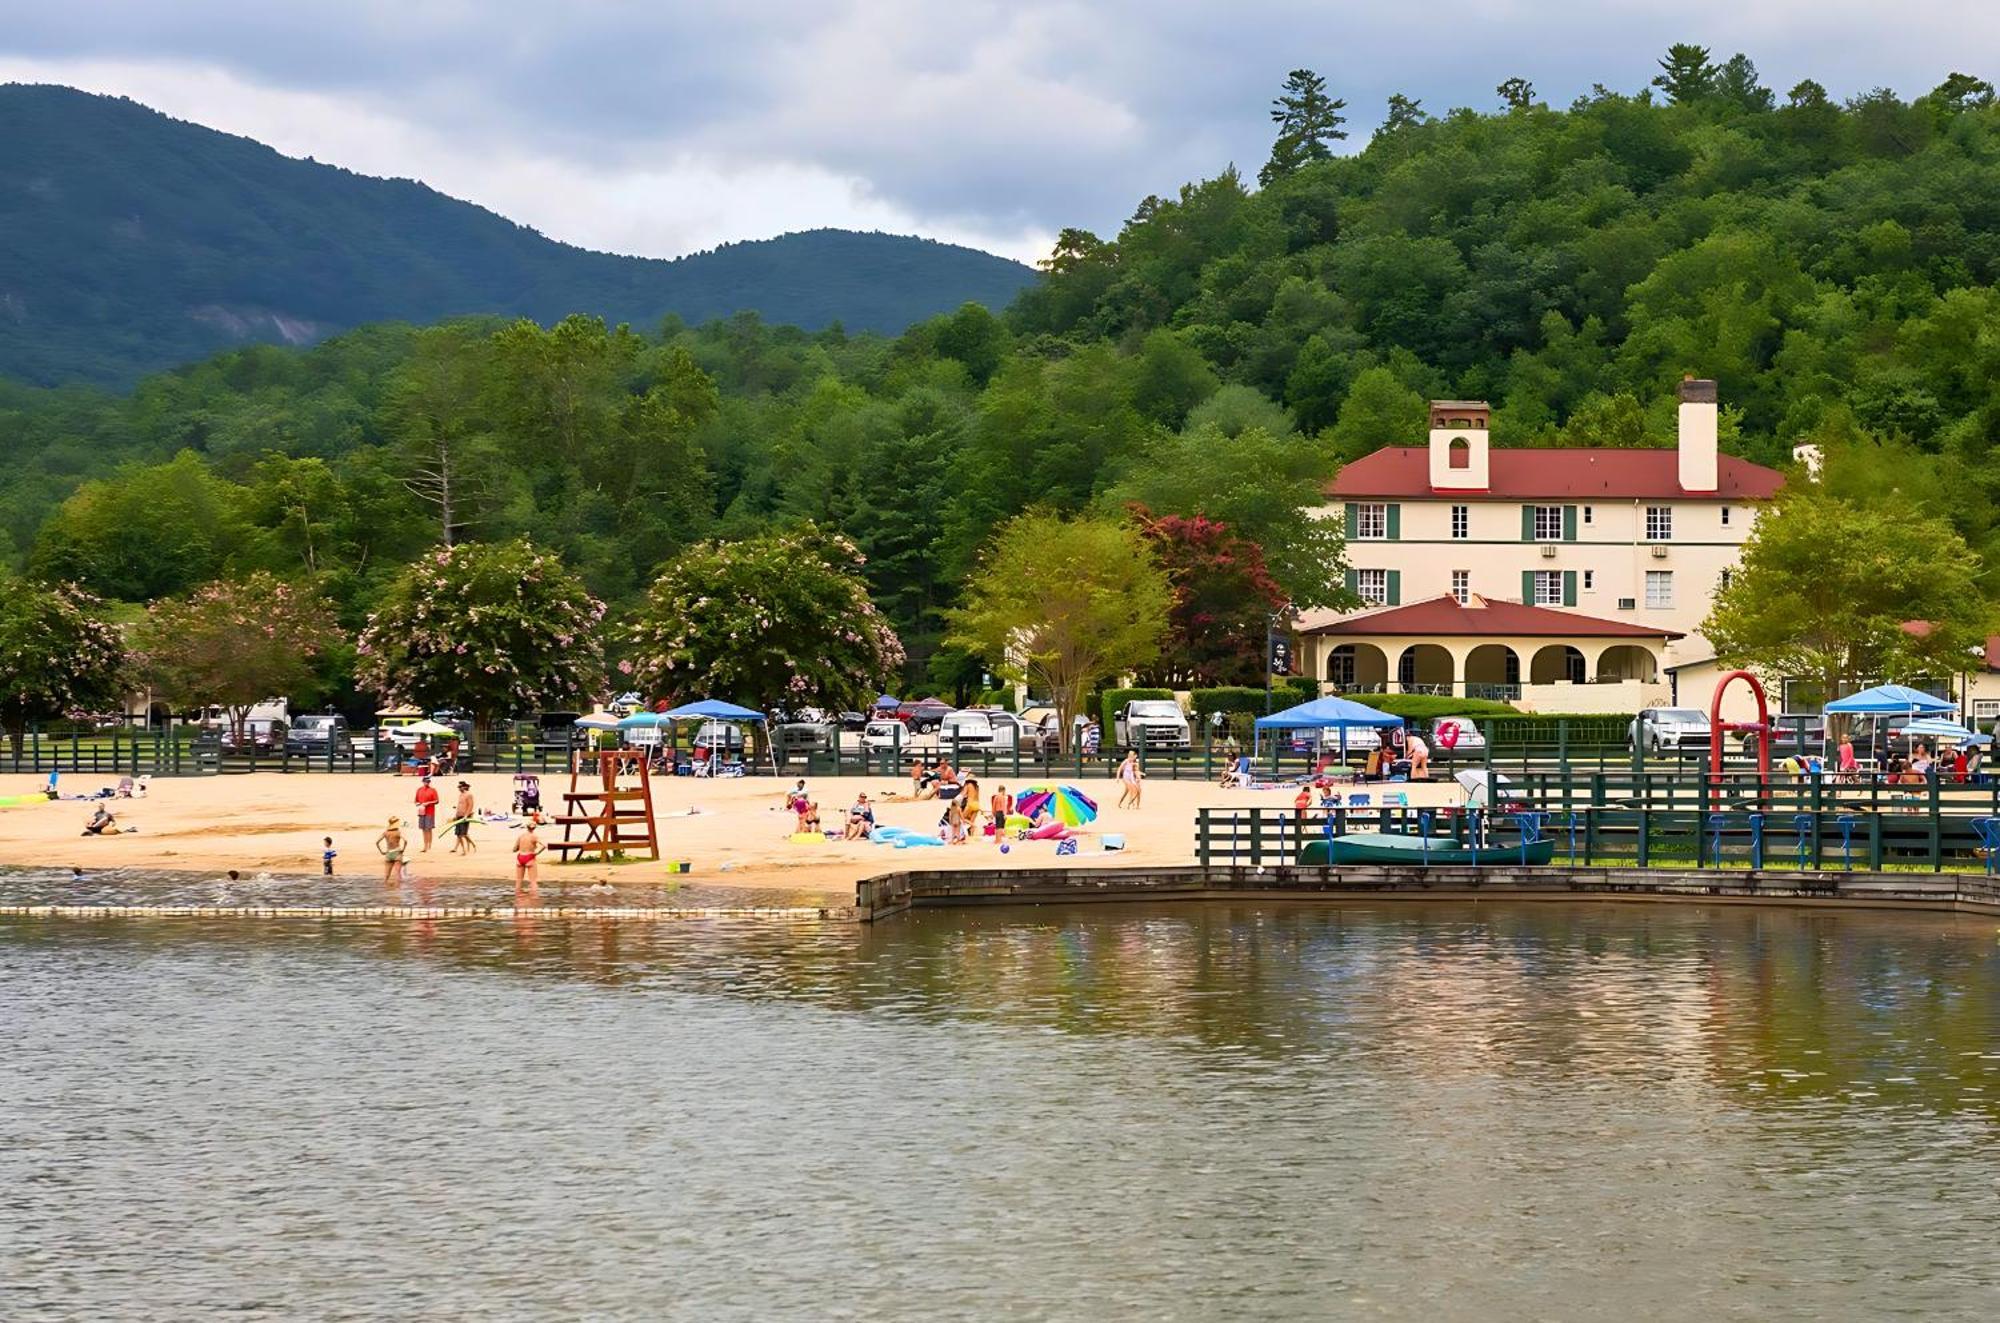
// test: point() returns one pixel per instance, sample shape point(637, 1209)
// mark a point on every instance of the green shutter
point(1528, 587)
point(1569, 523)
point(1348, 527)
point(1569, 587)
point(1395, 522)
point(1527, 523)
point(1353, 579)
point(1395, 584)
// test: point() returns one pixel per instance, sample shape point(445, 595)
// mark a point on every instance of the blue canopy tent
point(1890, 700)
point(706, 709)
point(1332, 713)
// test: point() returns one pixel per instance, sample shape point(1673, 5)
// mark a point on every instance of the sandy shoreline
point(733, 833)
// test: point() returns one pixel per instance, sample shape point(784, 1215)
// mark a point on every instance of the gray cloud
point(983, 120)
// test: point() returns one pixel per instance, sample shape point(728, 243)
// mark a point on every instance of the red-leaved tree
point(1223, 594)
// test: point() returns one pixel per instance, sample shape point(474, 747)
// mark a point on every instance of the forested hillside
point(135, 242)
point(1831, 265)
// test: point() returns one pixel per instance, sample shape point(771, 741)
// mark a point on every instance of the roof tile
point(1487, 616)
point(1578, 473)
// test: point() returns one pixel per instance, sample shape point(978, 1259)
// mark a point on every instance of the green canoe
point(1370, 847)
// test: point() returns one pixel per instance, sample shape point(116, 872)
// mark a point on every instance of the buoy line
point(508, 912)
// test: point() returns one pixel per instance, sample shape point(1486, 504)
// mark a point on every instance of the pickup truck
point(1156, 723)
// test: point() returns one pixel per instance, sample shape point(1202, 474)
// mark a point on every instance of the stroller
point(527, 793)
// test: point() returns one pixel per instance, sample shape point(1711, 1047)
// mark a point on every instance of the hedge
point(1114, 699)
point(1427, 707)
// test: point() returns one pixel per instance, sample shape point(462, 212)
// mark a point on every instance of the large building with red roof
point(1581, 570)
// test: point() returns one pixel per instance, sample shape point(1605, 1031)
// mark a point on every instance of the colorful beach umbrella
point(1066, 804)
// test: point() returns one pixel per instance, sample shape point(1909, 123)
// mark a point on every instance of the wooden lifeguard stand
point(614, 812)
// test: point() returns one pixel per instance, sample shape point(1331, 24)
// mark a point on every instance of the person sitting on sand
point(922, 778)
point(101, 823)
point(860, 819)
point(947, 781)
point(808, 814)
point(392, 844)
point(528, 849)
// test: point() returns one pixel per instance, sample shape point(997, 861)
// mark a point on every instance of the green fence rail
point(1845, 839)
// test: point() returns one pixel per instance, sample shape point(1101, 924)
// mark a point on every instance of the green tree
point(1516, 93)
point(147, 530)
point(1266, 489)
point(1961, 92)
point(1379, 411)
point(492, 628)
point(1686, 75)
point(1736, 82)
point(1609, 422)
point(1308, 120)
point(235, 643)
point(1403, 113)
point(1826, 586)
point(781, 620)
point(58, 655)
point(1064, 604)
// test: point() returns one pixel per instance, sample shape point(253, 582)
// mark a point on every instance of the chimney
point(1697, 435)
point(1458, 445)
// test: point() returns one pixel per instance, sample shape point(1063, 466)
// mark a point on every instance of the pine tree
point(1686, 74)
point(1307, 119)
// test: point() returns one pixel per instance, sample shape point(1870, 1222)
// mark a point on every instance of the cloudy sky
point(655, 127)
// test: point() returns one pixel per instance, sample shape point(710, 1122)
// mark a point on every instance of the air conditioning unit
point(1548, 551)
point(1659, 551)
point(1628, 604)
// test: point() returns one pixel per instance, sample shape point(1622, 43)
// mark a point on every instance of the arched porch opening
point(1558, 663)
point(1627, 661)
point(1357, 668)
point(1493, 670)
point(1424, 668)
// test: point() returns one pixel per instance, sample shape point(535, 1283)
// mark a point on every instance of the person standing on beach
point(326, 857)
point(427, 807)
point(461, 820)
point(528, 849)
point(1129, 777)
point(391, 844)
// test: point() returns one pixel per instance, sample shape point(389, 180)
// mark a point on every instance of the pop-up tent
point(1332, 713)
point(1890, 700)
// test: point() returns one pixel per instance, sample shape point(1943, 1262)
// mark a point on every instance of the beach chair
point(527, 793)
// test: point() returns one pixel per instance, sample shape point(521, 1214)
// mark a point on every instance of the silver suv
point(1660, 729)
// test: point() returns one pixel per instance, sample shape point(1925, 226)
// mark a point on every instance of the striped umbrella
point(1066, 804)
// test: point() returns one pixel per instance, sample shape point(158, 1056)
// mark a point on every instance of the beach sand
point(732, 832)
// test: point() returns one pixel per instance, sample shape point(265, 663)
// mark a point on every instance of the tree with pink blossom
point(236, 642)
point(495, 628)
point(58, 655)
point(781, 620)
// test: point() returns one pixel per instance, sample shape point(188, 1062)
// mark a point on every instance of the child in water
point(326, 857)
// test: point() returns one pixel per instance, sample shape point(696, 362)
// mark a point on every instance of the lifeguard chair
point(608, 808)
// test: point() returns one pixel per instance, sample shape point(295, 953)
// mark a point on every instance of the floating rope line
point(506, 912)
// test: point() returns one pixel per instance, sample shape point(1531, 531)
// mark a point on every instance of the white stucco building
point(1621, 550)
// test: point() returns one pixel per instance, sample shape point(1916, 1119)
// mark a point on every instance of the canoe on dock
point(1371, 847)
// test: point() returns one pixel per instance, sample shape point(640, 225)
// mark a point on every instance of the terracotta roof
point(1486, 616)
point(1578, 473)
point(1993, 653)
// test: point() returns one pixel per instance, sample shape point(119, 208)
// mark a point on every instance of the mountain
point(133, 242)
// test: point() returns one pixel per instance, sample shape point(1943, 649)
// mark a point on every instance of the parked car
point(1360, 739)
point(885, 733)
point(262, 735)
point(321, 736)
point(1785, 734)
point(1456, 737)
point(1159, 723)
point(724, 737)
point(800, 738)
point(1663, 729)
point(853, 721)
point(923, 715)
point(994, 728)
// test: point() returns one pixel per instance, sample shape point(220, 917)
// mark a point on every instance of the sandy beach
point(731, 832)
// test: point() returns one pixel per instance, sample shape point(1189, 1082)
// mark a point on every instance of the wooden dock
point(893, 893)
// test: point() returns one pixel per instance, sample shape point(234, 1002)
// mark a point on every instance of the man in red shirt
point(427, 808)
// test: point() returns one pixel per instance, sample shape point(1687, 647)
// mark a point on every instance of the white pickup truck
point(1155, 723)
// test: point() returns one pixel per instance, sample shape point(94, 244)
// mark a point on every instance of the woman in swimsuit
point(1128, 774)
point(528, 849)
point(392, 845)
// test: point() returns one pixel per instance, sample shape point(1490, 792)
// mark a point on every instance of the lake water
point(1204, 1112)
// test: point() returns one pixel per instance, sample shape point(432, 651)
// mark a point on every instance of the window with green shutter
point(1395, 595)
point(1528, 584)
point(1348, 527)
point(1569, 587)
point(1527, 523)
point(1353, 576)
point(1569, 523)
point(1395, 522)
